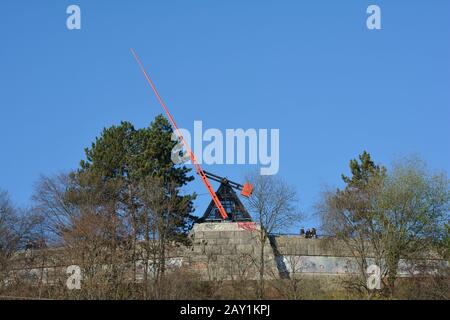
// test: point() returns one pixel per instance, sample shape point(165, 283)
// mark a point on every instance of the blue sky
point(310, 68)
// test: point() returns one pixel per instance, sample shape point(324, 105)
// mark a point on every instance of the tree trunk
point(261, 267)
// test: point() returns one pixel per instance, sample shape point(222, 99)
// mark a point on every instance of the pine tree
point(130, 157)
point(363, 171)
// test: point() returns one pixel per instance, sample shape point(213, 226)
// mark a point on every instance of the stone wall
point(232, 251)
point(228, 250)
point(298, 245)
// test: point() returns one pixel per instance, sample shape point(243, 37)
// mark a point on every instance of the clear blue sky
point(310, 68)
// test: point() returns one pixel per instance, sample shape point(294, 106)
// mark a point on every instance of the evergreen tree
point(129, 157)
point(363, 171)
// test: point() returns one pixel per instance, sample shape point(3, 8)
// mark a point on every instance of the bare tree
point(17, 232)
point(273, 206)
point(51, 202)
point(291, 286)
point(82, 219)
point(347, 218)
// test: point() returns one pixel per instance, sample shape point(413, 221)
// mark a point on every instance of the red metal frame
point(197, 166)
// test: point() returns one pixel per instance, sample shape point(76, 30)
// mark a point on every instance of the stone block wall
point(230, 251)
point(226, 250)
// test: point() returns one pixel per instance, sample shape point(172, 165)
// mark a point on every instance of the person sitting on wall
point(302, 232)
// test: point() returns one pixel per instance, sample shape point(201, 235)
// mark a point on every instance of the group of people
point(309, 234)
